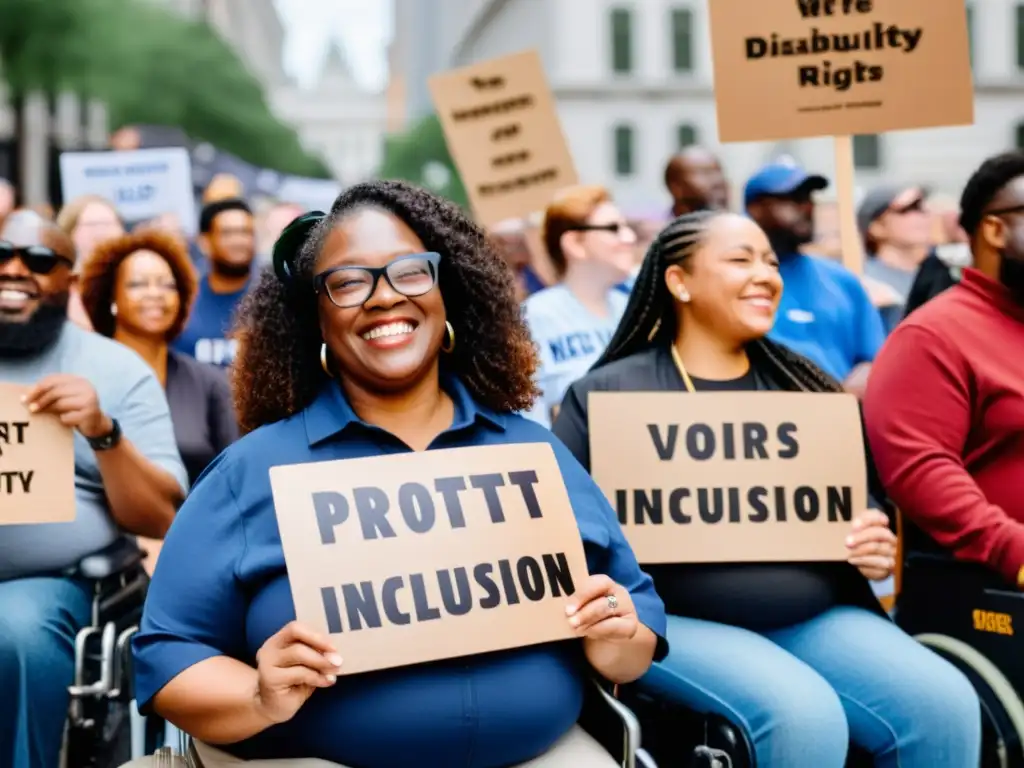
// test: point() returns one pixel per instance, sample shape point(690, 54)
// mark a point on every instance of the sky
point(362, 26)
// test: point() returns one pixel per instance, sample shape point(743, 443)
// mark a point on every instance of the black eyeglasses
point(349, 287)
point(616, 227)
point(38, 259)
point(1005, 211)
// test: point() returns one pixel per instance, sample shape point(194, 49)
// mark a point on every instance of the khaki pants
point(574, 750)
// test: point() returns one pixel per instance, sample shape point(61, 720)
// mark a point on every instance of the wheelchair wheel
point(104, 743)
point(1001, 707)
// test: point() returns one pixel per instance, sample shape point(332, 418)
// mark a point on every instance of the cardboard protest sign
point(430, 555)
point(142, 184)
point(732, 476)
point(37, 464)
point(503, 133)
point(796, 68)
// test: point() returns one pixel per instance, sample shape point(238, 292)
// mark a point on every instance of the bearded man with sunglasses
point(944, 407)
point(128, 478)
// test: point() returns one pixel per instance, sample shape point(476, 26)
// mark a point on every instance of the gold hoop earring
point(323, 360)
point(448, 343)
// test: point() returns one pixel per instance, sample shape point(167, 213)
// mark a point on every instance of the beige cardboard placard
point(503, 133)
point(732, 476)
point(421, 556)
point(37, 464)
point(796, 68)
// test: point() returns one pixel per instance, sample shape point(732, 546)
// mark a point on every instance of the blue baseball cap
point(781, 180)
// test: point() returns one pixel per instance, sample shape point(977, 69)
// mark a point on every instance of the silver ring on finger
point(613, 603)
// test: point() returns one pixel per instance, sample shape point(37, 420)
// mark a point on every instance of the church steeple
point(336, 72)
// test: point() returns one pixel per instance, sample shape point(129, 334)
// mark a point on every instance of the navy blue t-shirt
point(206, 336)
point(221, 589)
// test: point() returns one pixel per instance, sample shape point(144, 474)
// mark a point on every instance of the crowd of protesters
point(162, 350)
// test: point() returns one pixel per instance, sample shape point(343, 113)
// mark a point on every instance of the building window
point(1020, 35)
point(624, 150)
point(970, 31)
point(1019, 136)
point(867, 152)
point(686, 135)
point(622, 40)
point(682, 40)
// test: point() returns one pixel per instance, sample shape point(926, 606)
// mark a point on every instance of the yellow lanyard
point(682, 370)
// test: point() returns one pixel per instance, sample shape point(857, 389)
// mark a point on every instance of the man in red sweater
point(944, 406)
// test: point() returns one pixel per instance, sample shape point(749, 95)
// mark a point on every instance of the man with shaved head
point(128, 478)
point(695, 179)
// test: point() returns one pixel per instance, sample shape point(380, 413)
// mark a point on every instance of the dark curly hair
point(277, 367)
point(650, 318)
point(984, 184)
point(99, 275)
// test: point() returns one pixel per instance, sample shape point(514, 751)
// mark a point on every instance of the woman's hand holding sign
point(291, 665)
point(603, 610)
point(616, 644)
point(872, 545)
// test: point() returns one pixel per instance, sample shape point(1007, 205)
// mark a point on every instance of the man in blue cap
point(825, 313)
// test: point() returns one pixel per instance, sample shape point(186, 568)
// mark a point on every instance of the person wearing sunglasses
point(128, 478)
point(945, 403)
point(896, 228)
point(388, 326)
point(593, 250)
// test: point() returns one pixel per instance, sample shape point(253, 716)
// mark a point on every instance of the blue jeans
point(39, 618)
point(802, 693)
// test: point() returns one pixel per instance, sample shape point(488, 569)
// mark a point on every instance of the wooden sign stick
point(849, 235)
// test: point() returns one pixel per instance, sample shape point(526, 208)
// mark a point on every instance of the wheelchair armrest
point(602, 712)
point(116, 558)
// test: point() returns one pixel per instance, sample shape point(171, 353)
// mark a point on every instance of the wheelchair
point(969, 615)
point(678, 737)
point(98, 732)
point(604, 717)
point(962, 611)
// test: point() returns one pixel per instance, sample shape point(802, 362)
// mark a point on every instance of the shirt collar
point(993, 292)
point(330, 413)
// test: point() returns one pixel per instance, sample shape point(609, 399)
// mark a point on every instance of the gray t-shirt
point(129, 392)
point(898, 279)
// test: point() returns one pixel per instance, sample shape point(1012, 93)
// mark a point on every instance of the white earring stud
point(113, 310)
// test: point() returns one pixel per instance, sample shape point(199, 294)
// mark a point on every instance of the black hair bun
point(290, 243)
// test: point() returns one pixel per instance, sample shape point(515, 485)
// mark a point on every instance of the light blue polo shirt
point(825, 315)
point(129, 392)
point(569, 340)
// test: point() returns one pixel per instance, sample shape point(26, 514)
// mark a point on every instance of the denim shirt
point(221, 589)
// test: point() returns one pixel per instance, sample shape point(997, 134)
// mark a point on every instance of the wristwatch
point(107, 441)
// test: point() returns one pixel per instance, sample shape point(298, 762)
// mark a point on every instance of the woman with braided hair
point(387, 326)
point(799, 655)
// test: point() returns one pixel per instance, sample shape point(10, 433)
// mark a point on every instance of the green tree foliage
point(149, 65)
point(420, 155)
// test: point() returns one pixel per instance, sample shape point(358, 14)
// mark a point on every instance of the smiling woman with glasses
point(388, 326)
point(593, 249)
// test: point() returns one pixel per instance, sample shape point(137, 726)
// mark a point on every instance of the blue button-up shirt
point(221, 589)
